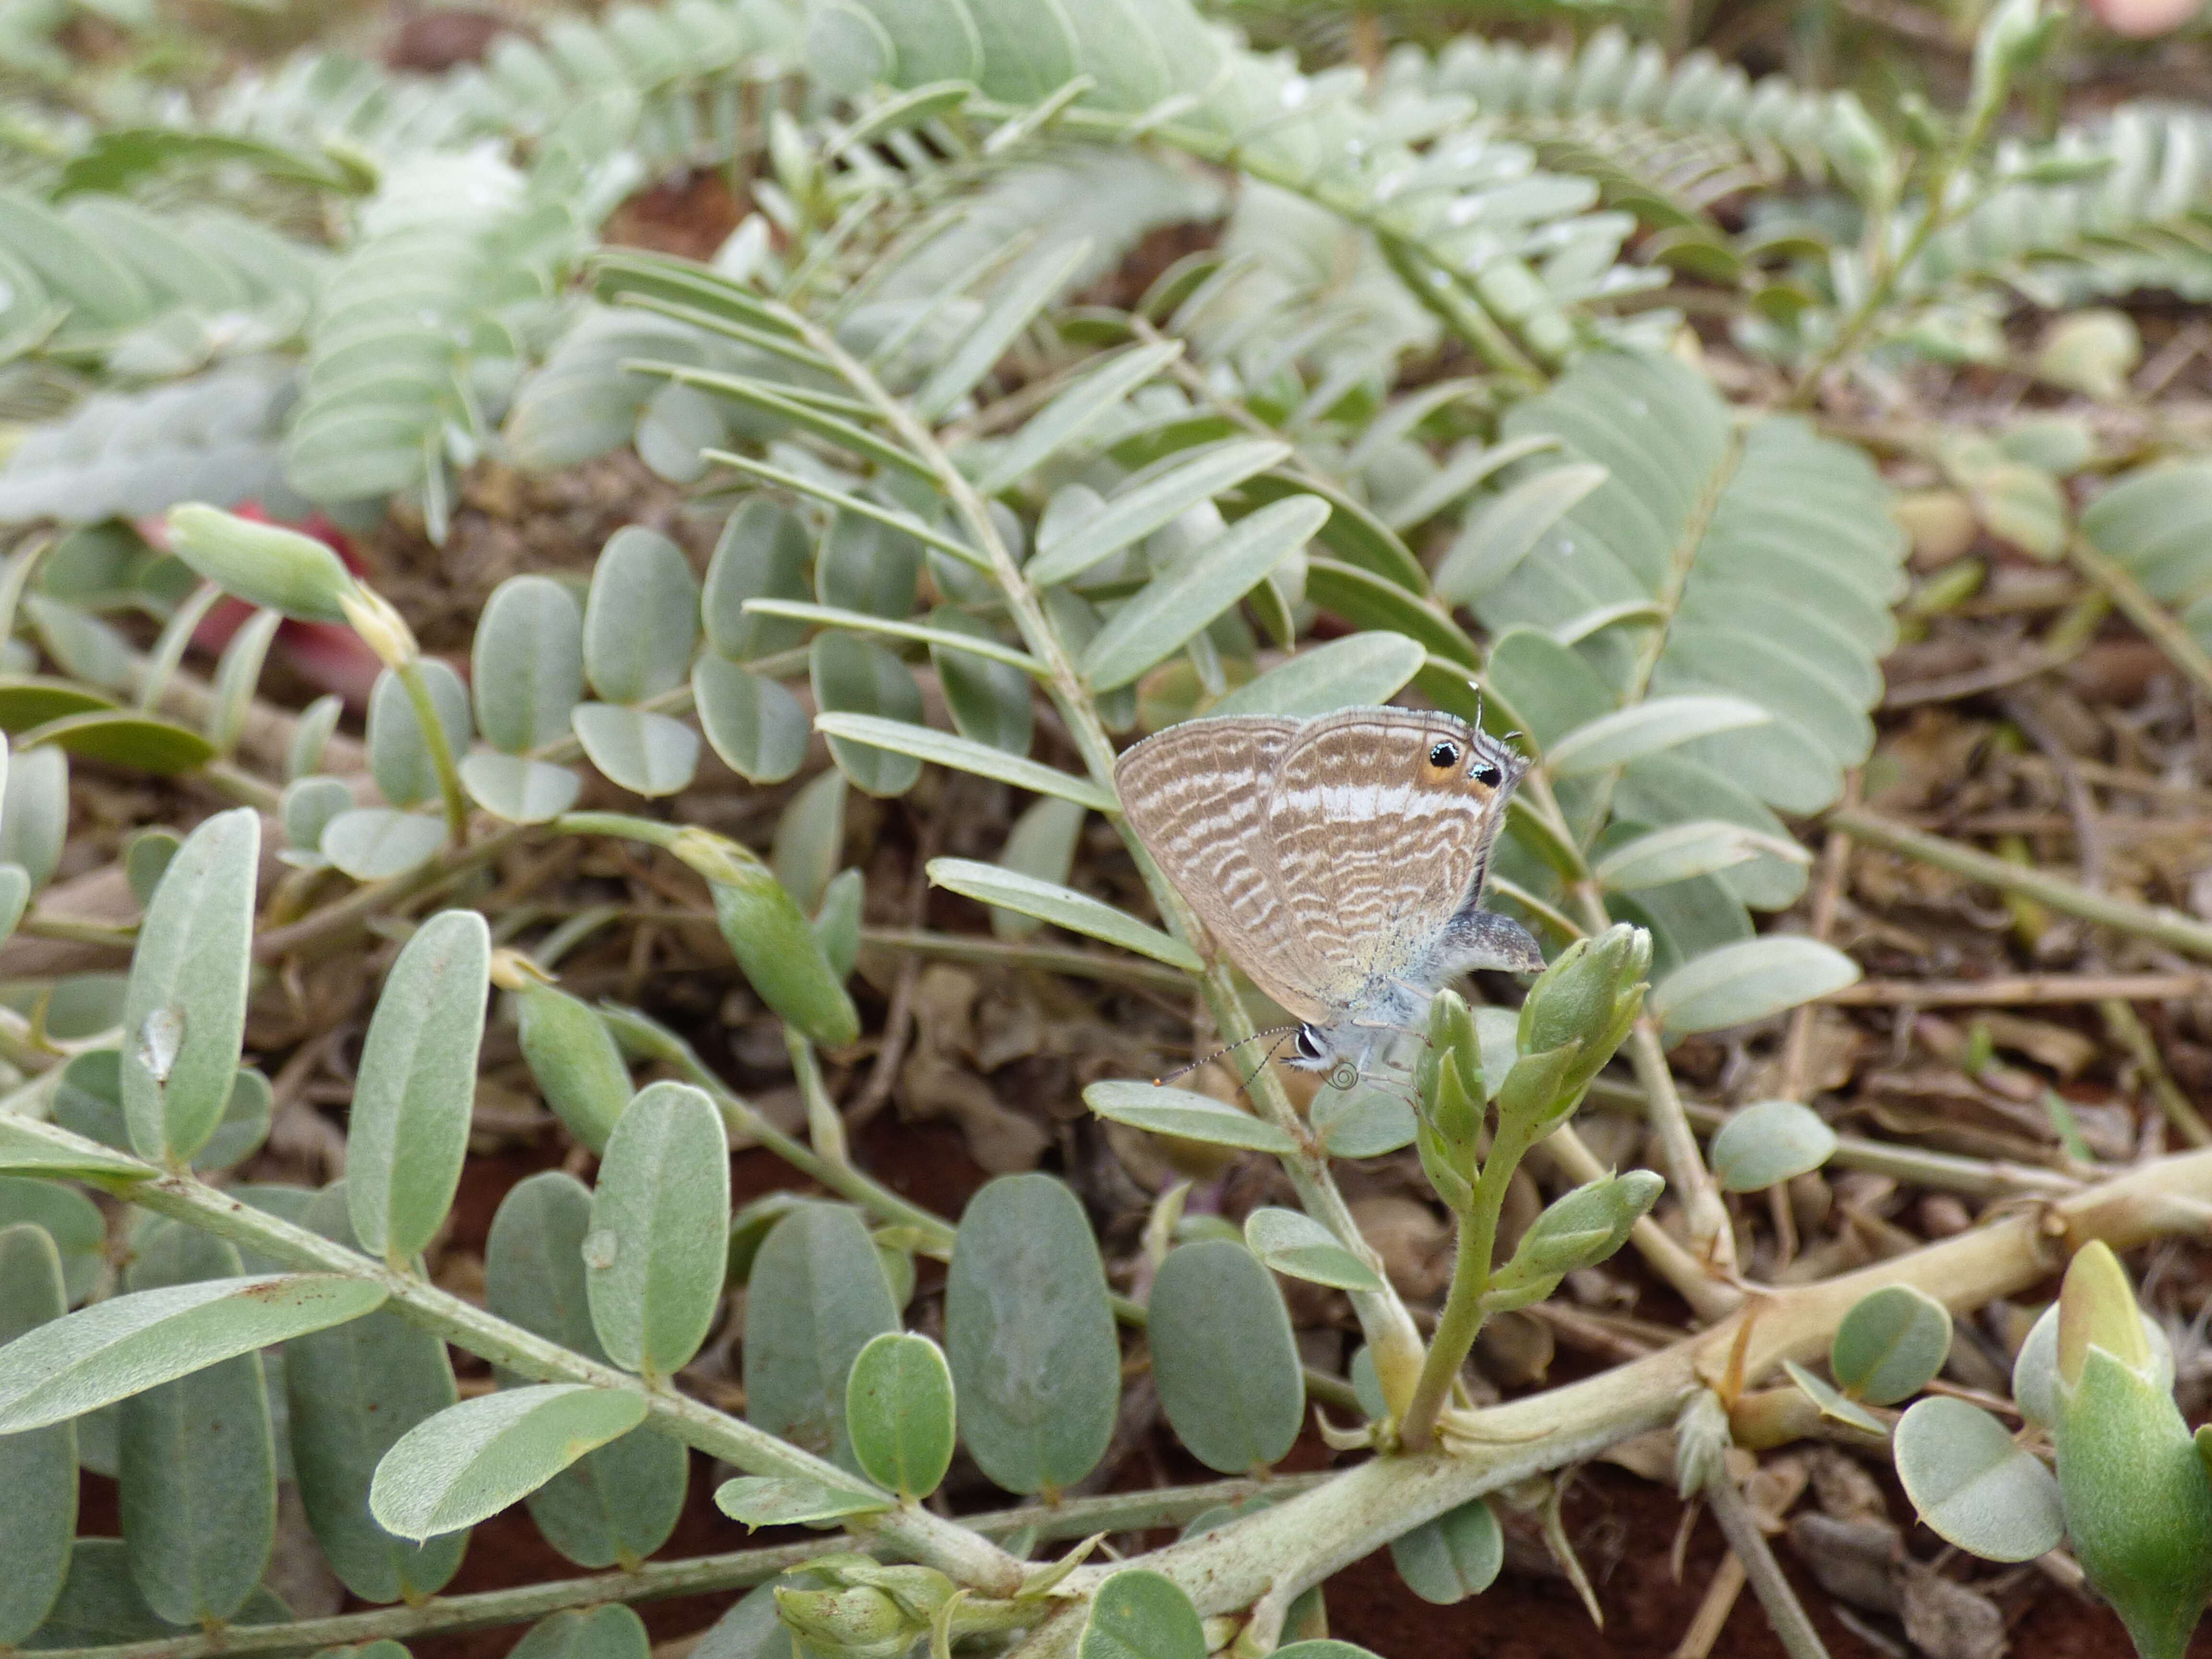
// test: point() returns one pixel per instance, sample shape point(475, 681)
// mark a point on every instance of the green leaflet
point(625, 1497)
point(472, 1459)
point(1029, 1335)
point(1223, 1359)
point(656, 1255)
point(38, 1470)
point(417, 1085)
point(816, 1298)
point(184, 1018)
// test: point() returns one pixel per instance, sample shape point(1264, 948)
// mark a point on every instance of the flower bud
point(575, 1062)
point(767, 932)
point(860, 1622)
point(263, 564)
point(1578, 1231)
point(1593, 992)
point(2137, 1498)
point(381, 628)
point(2014, 35)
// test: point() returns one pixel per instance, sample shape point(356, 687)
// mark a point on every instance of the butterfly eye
point(1443, 754)
point(1306, 1044)
point(1486, 774)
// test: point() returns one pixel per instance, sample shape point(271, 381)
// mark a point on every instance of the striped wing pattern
point(1197, 796)
point(1373, 850)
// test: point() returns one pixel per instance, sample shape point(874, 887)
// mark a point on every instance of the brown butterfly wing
point(1196, 794)
point(1375, 848)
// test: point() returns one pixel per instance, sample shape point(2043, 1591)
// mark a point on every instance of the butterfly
point(1339, 861)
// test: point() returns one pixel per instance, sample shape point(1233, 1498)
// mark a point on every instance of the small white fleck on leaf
point(600, 1248)
point(160, 1039)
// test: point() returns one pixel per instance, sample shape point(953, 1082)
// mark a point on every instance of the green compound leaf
point(1890, 1344)
point(1452, 1557)
point(1074, 412)
point(1141, 1614)
point(1192, 1116)
point(899, 1413)
point(127, 1344)
point(72, 1225)
point(184, 1015)
point(1295, 1244)
point(1063, 906)
point(472, 1459)
point(1973, 1484)
point(1770, 1141)
point(1224, 1357)
point(656, 1252)
point(816, 1298)
point(575, 1062)
point(784, 1501)
point(416, 1087)
point(1029, 1334)
point(1703, 846)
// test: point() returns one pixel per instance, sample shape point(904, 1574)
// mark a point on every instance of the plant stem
point(2165, 927)
point(2117, 583)
point(1301, 1543)
point(1391, 1337)
point(1461, 1322)
point(1785, 1612)
point(702, 1575)
point(1021, 953)
point(929, 1538)
point(1887, 270)
point(450, 792)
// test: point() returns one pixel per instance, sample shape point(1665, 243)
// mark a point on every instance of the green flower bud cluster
point(2137, 1497)
point(871, 1611)
point(1576, 1015)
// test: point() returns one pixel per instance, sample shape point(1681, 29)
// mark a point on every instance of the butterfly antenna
point(1208, 1060)
point(1282, 1034)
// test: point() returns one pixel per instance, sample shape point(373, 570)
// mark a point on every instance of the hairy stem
point(1461, 1322)
point(701, 1575)
point(1283, 1549)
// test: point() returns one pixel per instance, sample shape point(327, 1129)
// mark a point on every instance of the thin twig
point(1793, 1626)
point(2019, 990)
point(2166, 927)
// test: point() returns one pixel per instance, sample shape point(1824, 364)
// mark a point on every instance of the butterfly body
point(1339, 861)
